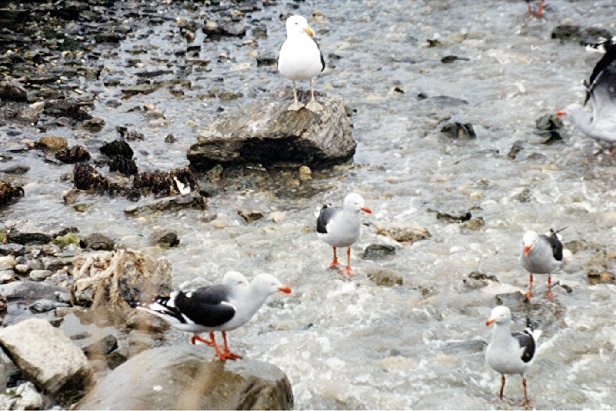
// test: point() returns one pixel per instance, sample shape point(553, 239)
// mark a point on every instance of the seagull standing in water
point(541, 254)
point(539, 8)
point(600, 123)
point(340, 227)
point(222, 307)
point(510, 353)
point(301, 59)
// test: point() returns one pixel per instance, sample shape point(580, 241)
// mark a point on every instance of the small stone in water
point(39, 275)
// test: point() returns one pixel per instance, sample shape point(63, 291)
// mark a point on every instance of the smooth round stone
point(21, 269)
point(40, 275)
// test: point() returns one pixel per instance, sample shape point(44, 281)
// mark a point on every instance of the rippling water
point(347, 343)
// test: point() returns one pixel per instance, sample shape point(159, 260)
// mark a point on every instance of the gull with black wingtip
point(222, 307)
point(541, 254)
point(510, 353)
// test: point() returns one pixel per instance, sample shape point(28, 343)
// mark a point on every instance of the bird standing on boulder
point(300, 59)
point(222, 307)
point(510, 353)
point(541, 254)
point(599, 124)
point(340, 226)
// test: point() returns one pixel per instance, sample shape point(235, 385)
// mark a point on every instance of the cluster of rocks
point(79, 324)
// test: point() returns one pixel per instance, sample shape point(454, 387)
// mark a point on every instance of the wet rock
point(28, 290)
point(39, 275)
point(515, 149)
point(30, 114)
point(215, 30)
point(272, 134)
point(126, 166)
point(26, 232)
point(70, 108)
point(12, 249)
point(516, 301)
point(112, 280)
point(453, 217)
point(191, 200)
point(85, 177)
point(166, 239)
point(16, 170)
point(44, 305)
point(75, 154)
point(47, 357)
point(384, 277)
point(188, 377)
point(403, 232)
point(474, 224)
point(140, 89)
point(93, 125)
point(585, 35)
point(140, 320)
point(451, 59)
point(12, 91)
point(156, 182)
point(459, 131)
point(600, 276)
point(183, 179)
point(117, 148)
point(129, 135)
point(65, 240)
point(52, 142)
point(8, 193)
point(97, 241)
point(378, 252)
point(4, 303)
point(24, 397)
point(549, 122)
point(102, 347)
point(477, 279)
point(250, 214)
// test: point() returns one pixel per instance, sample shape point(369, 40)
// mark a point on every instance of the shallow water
point(347, 343)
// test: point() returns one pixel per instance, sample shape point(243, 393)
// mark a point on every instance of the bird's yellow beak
point(309, 31)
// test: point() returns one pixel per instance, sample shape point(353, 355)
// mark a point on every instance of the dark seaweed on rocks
point(75, 154)
point(162, 183)
point(9, 193)
point(123, 165)
point(117, 148)
point(87, 178)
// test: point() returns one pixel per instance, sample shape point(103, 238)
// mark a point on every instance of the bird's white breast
point(300, 58)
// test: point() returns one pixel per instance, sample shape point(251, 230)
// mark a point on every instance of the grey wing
point(325, 216)
point(526, 341)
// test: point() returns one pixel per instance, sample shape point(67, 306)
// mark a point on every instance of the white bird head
point(355, 202)
point(529, 240)
point(298, 25)
point(234, 278)
point(500, 315)
point(268, 284)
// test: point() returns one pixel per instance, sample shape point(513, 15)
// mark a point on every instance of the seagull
point(300, 59)
point(539, 9)
point(541, 254)
point(340, 227)
point(222, 307)
point(510, 353)
point(599, 124)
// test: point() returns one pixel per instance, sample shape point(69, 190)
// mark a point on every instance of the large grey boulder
point(266, 132)
point(48, 358)
point(190, 377)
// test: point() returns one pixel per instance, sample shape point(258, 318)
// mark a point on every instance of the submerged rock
point(378, 252)
point(192, 200)
point(85, 177)
point(190, 377)
point(266, 132)
point(47, 357)
point(113, 280)
point(12, 91)
point(403, 232)
point(384, 277)
point(117, 148)
point(75, 154)
point(459, 131)
point(97, 241)
point(25, 232)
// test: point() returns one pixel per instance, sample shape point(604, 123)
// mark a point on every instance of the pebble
point(7, 276)
point(39, 275)
point(218, 224)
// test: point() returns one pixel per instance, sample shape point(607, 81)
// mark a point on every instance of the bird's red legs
point(196, 338)
point(227, 352)
point(526, 400)
point(348, 270)
point(549, 295)
point(335, 260)
point(529, 293)
point(540, 9)
point(530, 12)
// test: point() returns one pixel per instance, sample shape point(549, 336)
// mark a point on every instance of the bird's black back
point(604, 66)
point(526, 341)
point(325, 216)
point(557, 246)
point(204, 306)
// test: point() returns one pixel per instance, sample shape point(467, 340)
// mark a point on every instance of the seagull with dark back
point(541, 254)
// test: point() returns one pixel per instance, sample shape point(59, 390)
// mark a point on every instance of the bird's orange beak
point(309, 31)
point(527, 250)
point(285, 289)
point(490, 321)
point(561, 113)
point(366, 209)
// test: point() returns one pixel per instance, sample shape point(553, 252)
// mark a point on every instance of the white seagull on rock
point(300, 59)
point(340, 226)
point(510, 353)
point(600, 123)
point(541, 254)
point(222, 307)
